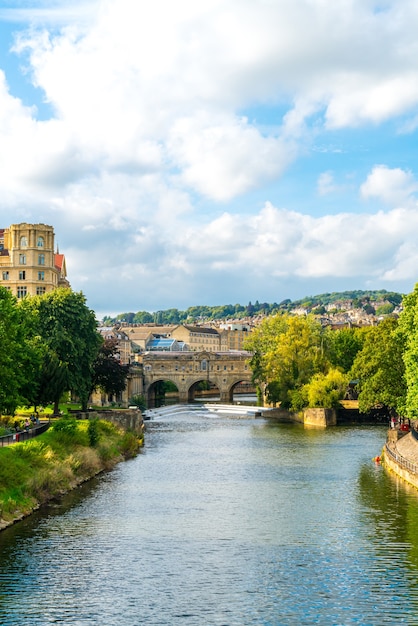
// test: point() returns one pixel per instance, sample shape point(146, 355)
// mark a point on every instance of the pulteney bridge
point(186, 370)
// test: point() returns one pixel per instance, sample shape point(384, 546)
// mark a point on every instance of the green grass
point(35, 471)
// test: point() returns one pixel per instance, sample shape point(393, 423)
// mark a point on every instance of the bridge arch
point(224, 370)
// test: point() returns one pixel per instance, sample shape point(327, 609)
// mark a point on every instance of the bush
point(93, 432)
point(326, 390)
point(139, 401)
point(66, 425)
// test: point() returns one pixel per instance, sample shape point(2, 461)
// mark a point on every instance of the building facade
point(29, 264)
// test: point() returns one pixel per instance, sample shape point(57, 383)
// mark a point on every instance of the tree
point(287, 352)
point(380, 369)
point(343, 345)
point(325, 390)
point(109, 374)
point(69, 329)
point(19, 354)
point(408, 336)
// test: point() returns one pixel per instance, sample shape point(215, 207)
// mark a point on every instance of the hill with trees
point(372, 302)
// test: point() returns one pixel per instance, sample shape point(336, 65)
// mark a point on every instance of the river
point(223, 521)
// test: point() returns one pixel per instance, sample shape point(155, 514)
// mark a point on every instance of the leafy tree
point(325, 390)
point(408, 336)
point(343, 345)
point(69, 330)
point(380, 369)
point(126, 317)
point(19, 354)
point(385, 309)
point(108, 372)
point(143, 317)
point(287, 352)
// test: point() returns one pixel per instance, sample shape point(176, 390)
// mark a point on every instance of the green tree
point(380, 369)
point(408, 336)
point(343, 345)
point(143, 317)
point(385, 309)
point(19, 354)
point(287, 352)
point(69, 329)
point(325, 390)
point(108, 372)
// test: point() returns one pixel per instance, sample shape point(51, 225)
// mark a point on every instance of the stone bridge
point(186, 370)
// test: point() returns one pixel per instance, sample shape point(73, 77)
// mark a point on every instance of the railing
point(400, 460)
point(24, 435)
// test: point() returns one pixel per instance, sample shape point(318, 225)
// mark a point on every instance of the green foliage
point(93, 432)
point(139, 401)
point(69, 330)
point(325, 390)
point(379, 367)
point(385, 309)
point(343, 345)
point(316, 304)
point(109, 374)
point(67, 425)
point(33, 472)
point(19, 354)
point(408, 336)
point(287, 351)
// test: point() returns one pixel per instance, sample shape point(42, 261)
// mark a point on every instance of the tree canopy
point(379, 368)
point(287, 352)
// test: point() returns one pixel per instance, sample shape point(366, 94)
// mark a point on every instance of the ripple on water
point(223, 522)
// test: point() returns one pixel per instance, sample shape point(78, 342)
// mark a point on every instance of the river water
point(223, 521)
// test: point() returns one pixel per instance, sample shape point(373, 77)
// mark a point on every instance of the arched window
point(23, 242)
point(204, 365)
point(40, 242)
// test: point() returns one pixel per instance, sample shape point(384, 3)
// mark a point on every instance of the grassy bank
point(70, 452)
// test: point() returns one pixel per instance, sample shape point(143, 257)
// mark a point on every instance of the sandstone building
point(29, 264)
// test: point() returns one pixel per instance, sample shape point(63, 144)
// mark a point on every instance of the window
point(5, 275)
point(22, 259)
point(40, 242)
point(22, 275)
point(23, 242)
point(40, 291)
point(41, 275)
point(21, 292)
point(41, 259)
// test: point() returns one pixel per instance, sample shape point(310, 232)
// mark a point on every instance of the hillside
point(371, 302)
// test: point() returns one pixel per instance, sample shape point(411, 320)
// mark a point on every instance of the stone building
point(29, 264)
point(197, 338)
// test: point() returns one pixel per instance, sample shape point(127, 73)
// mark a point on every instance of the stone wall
point(320, 417)
point(316, 418)
point(128, 419)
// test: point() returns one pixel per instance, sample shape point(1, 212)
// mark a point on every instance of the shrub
point(93, 432)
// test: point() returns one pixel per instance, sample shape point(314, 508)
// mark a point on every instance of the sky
point(214, 152)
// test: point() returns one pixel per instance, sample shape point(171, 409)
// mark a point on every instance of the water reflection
point(223, 522)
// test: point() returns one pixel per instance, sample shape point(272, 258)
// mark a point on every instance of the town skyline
point(215, 153)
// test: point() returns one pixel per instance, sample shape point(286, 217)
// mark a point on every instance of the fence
point(401, 460)
point(24, 435)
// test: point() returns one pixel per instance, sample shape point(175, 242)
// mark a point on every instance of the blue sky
point(214, 152)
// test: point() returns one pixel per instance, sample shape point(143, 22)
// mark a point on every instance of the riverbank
point(70, 453)
point(400, 455)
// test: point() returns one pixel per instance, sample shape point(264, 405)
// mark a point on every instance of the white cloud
point(391, 185)
point(144, 165)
